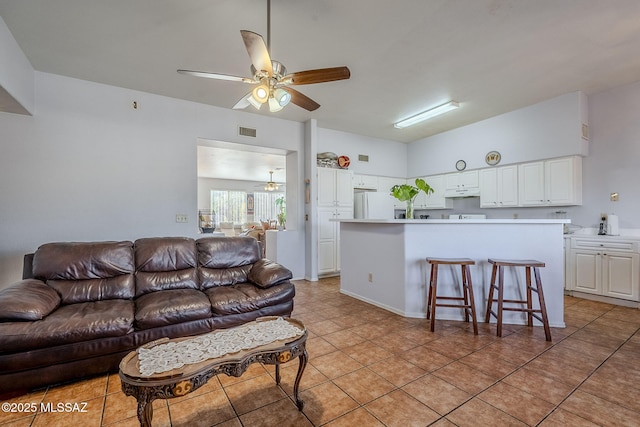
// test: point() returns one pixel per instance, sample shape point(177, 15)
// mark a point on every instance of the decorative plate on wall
point(461, 165)
point(492, 158)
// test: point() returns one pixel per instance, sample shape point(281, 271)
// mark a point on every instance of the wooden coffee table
point(188, 378)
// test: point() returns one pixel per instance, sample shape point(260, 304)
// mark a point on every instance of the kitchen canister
point(613, 226)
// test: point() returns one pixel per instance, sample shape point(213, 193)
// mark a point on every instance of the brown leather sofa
point(86, 305)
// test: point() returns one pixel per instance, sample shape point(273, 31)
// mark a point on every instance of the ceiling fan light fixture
point(271, 185)
point(274, 106)
point(253, 102)
point(260, 93)
point(282, 97)
point(427, 114)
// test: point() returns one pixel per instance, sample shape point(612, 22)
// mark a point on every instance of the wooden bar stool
point(468, 304)
point(498, 270)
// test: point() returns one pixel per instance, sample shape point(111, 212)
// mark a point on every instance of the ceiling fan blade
point(321, 75)
point(302, 100)
point(243, 103)
point(258, 52)
point(216, 76)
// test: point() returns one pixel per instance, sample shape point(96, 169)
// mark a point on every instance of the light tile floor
point(369, 367)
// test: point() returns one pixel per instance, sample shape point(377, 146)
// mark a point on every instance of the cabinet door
point(384, 186)
point(326, 257)
point(507, 186)
point(531, 184)
point(489, 188)
point(559, 181)
point(326, 228)
point(341, 213)
point(326, 187)
point(344, 189)
point(620, 275)
point(436, 199)
point(586, 273)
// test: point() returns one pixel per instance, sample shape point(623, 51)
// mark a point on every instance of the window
point(229, 206)
point(265, 205)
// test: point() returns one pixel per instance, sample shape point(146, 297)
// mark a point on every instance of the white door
point(531, 184)
point(559, 181)
point(343, 189)
point(620, 275)
point(587, 274)
point(489, 188)
point(326, 187)
point(508, 186)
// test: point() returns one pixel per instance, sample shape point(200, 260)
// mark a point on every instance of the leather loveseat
point(83, 306)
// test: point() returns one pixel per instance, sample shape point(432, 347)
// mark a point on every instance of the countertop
point(455, 221)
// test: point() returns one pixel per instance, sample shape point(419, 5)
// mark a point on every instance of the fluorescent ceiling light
point(440, 109)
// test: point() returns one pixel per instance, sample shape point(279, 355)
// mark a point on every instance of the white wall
point(552, 128)
point(17, 93)
point(386, 158)
point(87, 166)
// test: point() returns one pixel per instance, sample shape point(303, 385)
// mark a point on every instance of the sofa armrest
point(27, 300)
point(265, 273)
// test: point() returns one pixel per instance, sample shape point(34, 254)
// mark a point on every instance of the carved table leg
point(145, 411)
point(302, 363)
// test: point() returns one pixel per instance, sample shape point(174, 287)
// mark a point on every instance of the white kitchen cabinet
point(329, 238)
point(435, 200)
point(384, 186)
point(334, 187)
point(605, 267)
point(461, 180)
point(499, 187)
point(555, 182)
point(365, 182)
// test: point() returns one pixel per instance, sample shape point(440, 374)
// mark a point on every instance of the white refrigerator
point(373, 205)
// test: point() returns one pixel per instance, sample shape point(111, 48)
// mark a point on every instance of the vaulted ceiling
point(492, 56)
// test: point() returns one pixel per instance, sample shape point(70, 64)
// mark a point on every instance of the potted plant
point(282, 211)
point(407, 193)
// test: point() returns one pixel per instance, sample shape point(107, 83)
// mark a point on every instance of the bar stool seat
point(468, 304)
point(498, 272)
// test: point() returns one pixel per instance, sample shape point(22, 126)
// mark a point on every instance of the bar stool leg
point(433, 293)
point(469, 299)
point(529, 296)
point(500, 299)
point(492, 285)
point(543, 307)
point(429, 293)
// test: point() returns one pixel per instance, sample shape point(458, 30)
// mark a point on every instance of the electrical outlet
point(182, 218)
point(370, 277)
point(614, 197)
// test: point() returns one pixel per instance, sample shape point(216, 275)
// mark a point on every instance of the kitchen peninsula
point(383, 262)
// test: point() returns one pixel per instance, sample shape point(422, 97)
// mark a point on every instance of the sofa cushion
point(164, 263)
point(246, 297)
point(170, 307)
point(266, 273)
point(210, 277)
point(68, 324)
point(227, 252)
point(86, 271)
point(27, 300)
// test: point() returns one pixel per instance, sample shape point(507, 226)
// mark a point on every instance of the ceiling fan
point(271, 184)
point(272, 83)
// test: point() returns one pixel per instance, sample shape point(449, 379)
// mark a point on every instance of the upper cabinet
point(462, 180)
point(384, 186)
point(334, 187)
point(435, 200)
point(499, 187)
point(555, 182)
point(365, 182)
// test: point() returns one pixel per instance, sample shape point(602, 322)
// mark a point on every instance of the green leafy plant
point(408, 192)
point(281, 204)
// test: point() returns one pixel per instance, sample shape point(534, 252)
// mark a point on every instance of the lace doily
point(173, 355)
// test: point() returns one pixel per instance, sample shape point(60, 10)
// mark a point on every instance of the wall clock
point(461, 165)
point(492, 158)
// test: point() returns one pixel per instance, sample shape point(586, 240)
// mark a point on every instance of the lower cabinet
point(329, 238)
point(607, 268)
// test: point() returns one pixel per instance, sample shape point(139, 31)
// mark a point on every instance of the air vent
point(363, 158)
point(246, 132)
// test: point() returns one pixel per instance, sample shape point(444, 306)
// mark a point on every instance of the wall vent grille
point(363, 158)
point(242, 131)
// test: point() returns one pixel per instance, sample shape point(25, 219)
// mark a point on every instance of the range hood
point(462, 192)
